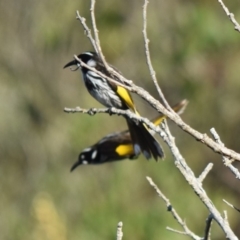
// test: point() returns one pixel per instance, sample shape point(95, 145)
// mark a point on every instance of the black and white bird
point(117, 146)
point(112, 95)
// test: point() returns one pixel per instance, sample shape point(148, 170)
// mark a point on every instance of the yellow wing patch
point(178, 108)
point(158, 120)
point(125, 95)
point(125, 150)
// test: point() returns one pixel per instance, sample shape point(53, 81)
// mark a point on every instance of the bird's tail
point(143, 141)
point(142, 137)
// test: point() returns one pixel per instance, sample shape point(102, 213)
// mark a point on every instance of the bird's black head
point(89, 58)
point(87, 156)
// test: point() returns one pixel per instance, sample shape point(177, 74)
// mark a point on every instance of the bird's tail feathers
point(143, 141)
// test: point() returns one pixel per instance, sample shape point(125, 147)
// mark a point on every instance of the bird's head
point(87, 156)
point(89, 58)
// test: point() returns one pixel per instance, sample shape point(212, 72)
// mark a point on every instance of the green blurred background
point(195, 52)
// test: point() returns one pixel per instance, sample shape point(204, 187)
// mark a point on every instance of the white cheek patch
point(94, 154)
point(91, 63)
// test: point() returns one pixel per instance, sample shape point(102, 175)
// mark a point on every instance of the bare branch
point(96, 43)
point(227, 162)
point(95, 31)
point(176, 231)
point(230, 15)
point(196, 185)
point(147, 52)
point(229, 204)
point(173, 211)
point(119, 231)
point(205, 172)
point(91, 111)
point(111, 111)
point(86, 30)
point(203, 138)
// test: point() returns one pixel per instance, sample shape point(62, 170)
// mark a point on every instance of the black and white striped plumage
point(113, 95)
point(98, 87)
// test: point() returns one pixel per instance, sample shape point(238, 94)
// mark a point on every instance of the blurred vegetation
point(195, 52)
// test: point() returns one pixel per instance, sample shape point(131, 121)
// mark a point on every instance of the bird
point(117, 146)
point(110, 95)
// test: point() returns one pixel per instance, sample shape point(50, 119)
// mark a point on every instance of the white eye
point(85, 162)
point(91, 63)
point(94, 154)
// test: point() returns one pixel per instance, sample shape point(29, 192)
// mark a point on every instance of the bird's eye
point(91, 63)
point(85, 162)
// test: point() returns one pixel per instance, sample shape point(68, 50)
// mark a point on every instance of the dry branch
point(174, 213)
point(119, 231)
point(230, 15)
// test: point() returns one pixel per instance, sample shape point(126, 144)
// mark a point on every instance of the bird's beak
point(74, 62)
point(75, 165)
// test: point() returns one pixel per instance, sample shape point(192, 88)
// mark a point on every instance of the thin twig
point(232, 206)
point(205, 172)
point(229, 204)
point(111, 111)
point(119, 231)
point(208, 227)
point(176, 231)
point(96, 36)
point(96, 43)
point(147, 52)
point(86, 30)
point(173, 211)
point(230, 15)
point(227, 162)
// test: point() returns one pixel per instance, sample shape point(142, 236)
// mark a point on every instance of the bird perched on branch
point(117, 146)
point(111, 94)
